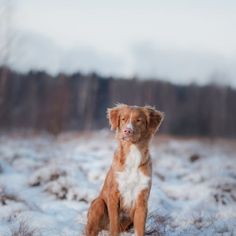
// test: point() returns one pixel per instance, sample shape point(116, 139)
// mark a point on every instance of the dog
point(123, 200)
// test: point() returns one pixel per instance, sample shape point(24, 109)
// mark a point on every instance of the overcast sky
point(182, 41)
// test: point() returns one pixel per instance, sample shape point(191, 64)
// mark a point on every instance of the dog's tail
point(97, 217)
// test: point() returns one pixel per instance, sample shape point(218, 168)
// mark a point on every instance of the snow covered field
point(47, 183)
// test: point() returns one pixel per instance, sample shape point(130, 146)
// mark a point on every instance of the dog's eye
point(123, 119)
point(138, 120)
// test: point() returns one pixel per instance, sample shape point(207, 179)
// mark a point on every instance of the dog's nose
point(128, 131)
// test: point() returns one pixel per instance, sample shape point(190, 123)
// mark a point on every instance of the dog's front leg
point(113, 211)
point(140, 214)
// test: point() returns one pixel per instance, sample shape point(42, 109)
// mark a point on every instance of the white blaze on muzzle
point(130, 125)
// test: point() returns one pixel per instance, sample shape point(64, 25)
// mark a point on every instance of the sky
point(181, 41)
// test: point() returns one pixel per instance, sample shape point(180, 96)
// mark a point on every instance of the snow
point(47, 183)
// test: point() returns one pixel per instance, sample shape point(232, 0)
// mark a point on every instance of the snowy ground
point(47, 183)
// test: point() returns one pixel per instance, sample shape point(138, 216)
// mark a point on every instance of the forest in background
point(39, 101)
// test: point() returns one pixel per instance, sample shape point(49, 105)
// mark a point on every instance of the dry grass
point(24, 230)
point(156, 224)
point(5, 197)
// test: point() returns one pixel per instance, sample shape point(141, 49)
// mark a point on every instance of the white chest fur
point(131, 181)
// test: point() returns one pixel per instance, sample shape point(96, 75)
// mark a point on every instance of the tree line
point(39, 101)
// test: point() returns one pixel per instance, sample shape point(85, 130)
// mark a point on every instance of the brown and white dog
point(122, 202)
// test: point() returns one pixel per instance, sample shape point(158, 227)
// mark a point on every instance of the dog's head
point(133, 123)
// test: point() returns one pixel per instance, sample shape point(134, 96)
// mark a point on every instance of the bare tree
point(6, 30)
point(6, 37)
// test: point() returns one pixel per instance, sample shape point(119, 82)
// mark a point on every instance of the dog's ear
point(113, 115)
point(154, 118)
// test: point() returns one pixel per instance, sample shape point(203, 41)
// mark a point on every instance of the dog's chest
point(131, 181)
